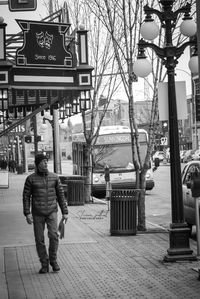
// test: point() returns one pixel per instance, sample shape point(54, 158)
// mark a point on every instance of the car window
point(183, 171)
point(192, 170)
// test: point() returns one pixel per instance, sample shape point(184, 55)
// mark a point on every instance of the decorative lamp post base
point(179, 244)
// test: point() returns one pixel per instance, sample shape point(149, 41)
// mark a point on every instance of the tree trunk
point(88, 174)
point(141, 203)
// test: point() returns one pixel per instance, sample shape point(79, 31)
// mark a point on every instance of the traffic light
point(22, 5)
point(107, 173)
point(164, 127)
point(28, 139)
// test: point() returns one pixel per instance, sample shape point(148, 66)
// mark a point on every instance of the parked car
point(31, 164)
point(159, 155)
point(188, 156)
point(168, 154)
point(196, 155)
point(188, 201)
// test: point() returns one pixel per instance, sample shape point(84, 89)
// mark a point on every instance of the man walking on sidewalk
point(41, 195)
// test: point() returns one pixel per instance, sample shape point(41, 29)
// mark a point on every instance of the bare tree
point(123, 20)
point(101, 58)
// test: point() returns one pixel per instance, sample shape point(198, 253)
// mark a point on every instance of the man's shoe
point(55, 266)
point(44, 269)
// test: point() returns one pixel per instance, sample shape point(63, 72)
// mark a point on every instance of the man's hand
point(29, 219)
point(65, 217)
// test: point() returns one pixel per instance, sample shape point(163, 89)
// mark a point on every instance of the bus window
point(111, 155)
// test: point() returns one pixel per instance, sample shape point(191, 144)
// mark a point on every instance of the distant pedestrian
point(9, 165)
point(41, 195)
point(4, 164)
point(156, 163)
point(13, 166)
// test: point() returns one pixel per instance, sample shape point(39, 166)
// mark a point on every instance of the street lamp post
point(56, 153)
point(169, 54)
point(3, 105)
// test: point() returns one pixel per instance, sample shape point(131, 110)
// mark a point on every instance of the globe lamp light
point(149, 30)
point(194, 64)
point(142, 67)
point(188, 27)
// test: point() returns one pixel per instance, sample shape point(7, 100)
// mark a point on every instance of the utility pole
point(197, 82)
point(35, 134)
point(198, 28)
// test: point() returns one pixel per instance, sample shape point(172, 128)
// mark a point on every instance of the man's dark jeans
point(39, 227)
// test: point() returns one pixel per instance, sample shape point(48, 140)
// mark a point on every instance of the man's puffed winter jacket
point(42, 192)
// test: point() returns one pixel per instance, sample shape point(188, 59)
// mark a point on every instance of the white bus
point(113, 149)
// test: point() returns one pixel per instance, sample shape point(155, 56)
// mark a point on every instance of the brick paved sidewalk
point(97, 265)
point(102, 267)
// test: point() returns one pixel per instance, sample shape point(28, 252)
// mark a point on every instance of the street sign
point(22, 5)
point(181, 100)
point(40, 45)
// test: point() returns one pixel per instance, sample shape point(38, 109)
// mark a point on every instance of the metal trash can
point(123, 212)
point(74, 189)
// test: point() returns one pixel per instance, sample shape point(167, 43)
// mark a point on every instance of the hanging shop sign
point(40, 45)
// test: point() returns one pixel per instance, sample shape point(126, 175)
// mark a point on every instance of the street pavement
point(93, 263)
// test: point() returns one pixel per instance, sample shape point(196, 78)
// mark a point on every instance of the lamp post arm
point(169, 51)
point(163, 16)
point(159, 51)
point(167, 13)
point(49, 120)
point(180, 50)
point(149, 11)
point(183, 9)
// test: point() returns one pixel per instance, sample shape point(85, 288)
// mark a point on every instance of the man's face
point(42, 166)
